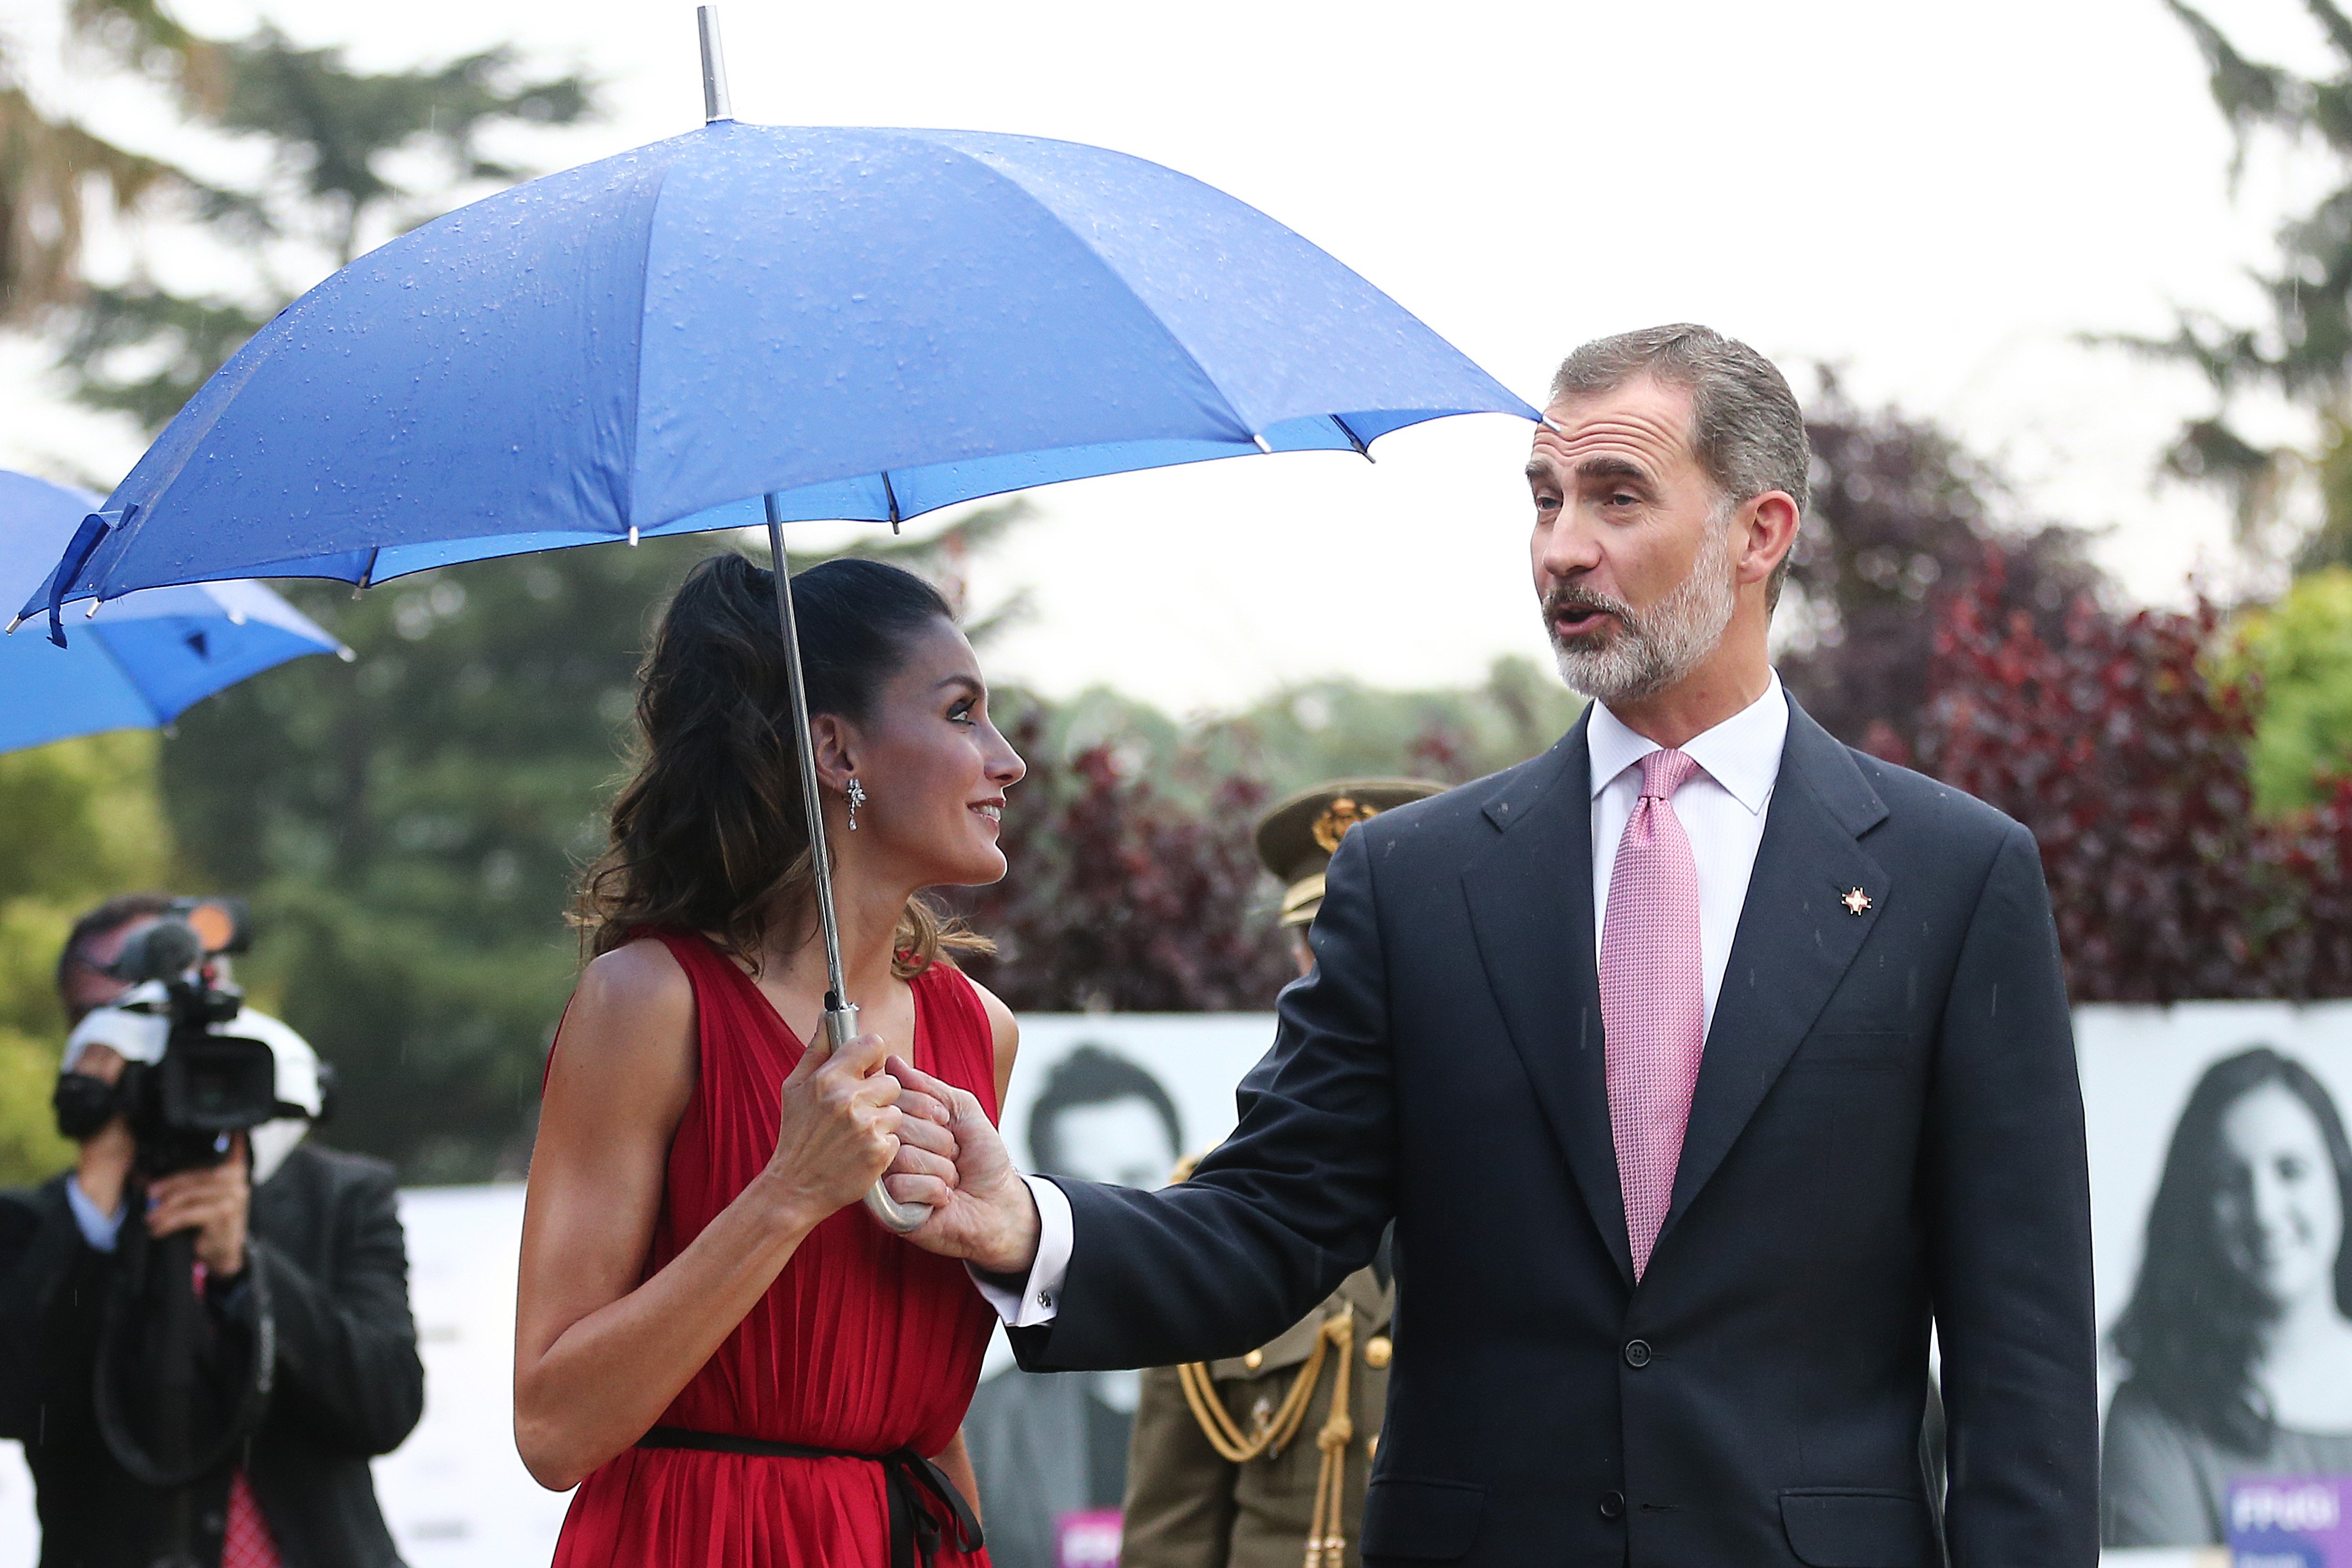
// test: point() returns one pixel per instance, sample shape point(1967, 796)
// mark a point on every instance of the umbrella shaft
point(812, 800)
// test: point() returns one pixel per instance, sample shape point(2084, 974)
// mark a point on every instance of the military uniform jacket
point(1189, 1507)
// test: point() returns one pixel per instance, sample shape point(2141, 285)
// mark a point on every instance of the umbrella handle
point(840, 1028)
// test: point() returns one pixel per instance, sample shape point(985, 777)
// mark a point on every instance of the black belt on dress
point(915, 1533)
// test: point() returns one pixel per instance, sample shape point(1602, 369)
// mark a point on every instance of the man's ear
point(1768, 532)
point(837, 745)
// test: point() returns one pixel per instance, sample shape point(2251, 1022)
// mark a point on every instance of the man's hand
point(212, 1202)
point(102, 1166)
point(984, 1215)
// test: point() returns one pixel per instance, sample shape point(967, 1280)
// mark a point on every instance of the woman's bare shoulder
point(639, 973)
point(633, 1008)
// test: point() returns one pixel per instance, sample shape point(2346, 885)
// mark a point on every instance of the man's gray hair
point(1746, 425)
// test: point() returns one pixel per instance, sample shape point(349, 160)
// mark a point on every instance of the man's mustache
point(1565, 598)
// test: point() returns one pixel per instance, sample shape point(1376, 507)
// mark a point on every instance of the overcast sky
point(1940, 200)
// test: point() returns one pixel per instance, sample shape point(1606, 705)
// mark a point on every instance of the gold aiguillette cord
point(1327, 1542)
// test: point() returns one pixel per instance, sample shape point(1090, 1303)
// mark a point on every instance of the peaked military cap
point(1296, 840)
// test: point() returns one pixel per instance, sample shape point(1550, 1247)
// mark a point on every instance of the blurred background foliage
point(2300, 651)
point(2293, 499)
point(408, 826)
point(78, 821)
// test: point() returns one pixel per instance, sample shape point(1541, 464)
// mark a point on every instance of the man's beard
point(1644, 654)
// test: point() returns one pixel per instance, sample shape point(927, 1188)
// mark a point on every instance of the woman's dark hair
point(1093, 1076)
point(2193, 1331)
point(709, 833)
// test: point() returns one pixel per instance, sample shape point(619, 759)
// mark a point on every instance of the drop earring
point(856, 798)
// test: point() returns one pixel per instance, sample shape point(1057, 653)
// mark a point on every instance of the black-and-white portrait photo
point(2230, 1343)
point(1118, 1101)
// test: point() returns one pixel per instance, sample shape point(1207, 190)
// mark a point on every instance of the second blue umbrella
point(146, 658)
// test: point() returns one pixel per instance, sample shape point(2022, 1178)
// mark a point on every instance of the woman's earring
point(857, 798)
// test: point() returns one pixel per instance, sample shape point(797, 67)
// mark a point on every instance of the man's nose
point(1569, 549)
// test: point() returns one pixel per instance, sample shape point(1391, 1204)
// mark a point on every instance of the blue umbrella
point(751, 323)
point(148, 657)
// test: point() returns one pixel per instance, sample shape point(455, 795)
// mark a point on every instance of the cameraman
point(296, 1248)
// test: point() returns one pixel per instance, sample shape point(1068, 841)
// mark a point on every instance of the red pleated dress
point(865, 1343)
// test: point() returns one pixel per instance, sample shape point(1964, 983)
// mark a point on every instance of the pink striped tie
point(1653, 999)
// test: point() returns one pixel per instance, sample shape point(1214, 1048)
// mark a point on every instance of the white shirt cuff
point(1040, 1297)
point(101, 1229)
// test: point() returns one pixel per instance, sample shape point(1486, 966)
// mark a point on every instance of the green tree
point(2301, 648)
point(51, 165)
point(1321, 730)
point(79, 820)
point(2302, 349)
point(355, 156)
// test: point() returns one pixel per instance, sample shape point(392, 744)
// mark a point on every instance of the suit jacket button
point(1637, 1352)
point(1253, 1360)
point(1612, 1505)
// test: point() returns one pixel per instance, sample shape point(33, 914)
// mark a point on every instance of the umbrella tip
point(91, 613)
point(633, 536)
point(715, 104)
point(14, 622)
point(345, 654)
point(1261, 445)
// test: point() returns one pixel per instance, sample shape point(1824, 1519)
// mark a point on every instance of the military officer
point(1260, 1461)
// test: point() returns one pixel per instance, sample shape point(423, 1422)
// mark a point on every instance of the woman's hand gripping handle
point(840, 1030)
point(839, 1124)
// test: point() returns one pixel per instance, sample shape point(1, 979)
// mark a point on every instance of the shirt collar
point(1742, 753)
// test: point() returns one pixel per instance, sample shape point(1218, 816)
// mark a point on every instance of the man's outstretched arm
point(1266, 1227)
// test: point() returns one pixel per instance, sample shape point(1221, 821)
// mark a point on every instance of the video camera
point(187, 1087)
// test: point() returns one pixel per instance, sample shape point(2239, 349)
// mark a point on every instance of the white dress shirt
point(1722, 809)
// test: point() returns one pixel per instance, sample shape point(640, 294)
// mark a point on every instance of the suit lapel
point(1796, 939)
point(1531, 896)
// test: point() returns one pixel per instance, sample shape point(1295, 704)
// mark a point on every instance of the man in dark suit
point(303, 1260)
point(1703, 1063)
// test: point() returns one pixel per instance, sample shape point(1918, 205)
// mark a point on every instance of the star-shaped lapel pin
point(1856, 902)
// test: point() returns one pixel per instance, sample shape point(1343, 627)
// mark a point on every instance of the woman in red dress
point(735, 1366)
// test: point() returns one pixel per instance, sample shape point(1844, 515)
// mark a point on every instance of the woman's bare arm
point(599, 1354)
point(955, 1461)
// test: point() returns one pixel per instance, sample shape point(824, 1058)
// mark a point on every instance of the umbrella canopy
point(751, 323)
point(861, 324)
point(147, 657)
